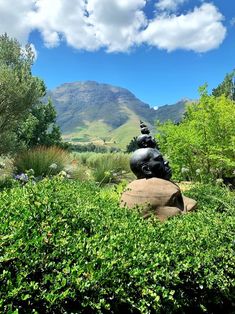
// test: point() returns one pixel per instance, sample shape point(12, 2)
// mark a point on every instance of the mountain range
point(101, 113)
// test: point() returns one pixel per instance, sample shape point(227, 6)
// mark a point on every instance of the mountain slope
point(90, 111)
point(172, 112)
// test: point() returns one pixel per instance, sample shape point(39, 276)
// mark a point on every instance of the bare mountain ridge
point(89, 112)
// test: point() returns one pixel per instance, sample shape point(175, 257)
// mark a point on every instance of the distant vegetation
point(132, 146)
point(92, 148)
point(93, 112)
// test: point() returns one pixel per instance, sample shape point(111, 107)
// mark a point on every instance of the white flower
point(53, 166)
point(219, 181)
point(198, 171)
point(184, 170)
point(63, 173)
point(2, 165)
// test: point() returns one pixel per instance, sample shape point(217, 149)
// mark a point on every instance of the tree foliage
point(19, 90)
point(132, 146)
point(203, 145)
point(25, 121)
point(227, 87)
point(39, 127)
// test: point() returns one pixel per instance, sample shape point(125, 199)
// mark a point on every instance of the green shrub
point(213, 197)
point(67, 248)
point(43, 160)
point(90, 147)
point(201, 147)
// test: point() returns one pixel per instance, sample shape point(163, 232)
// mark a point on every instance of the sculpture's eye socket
point(158, 158)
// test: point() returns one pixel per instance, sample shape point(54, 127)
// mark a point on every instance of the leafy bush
point(91, 147)
point(66, 248)
point(212, 197)
point(201, 147)
point(132, 146)
point(43, 160)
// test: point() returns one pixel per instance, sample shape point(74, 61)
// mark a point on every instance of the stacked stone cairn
point(153, 193)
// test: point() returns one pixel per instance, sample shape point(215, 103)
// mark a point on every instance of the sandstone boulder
point(156, 196)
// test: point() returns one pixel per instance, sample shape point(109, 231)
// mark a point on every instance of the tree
point(203, 145)
point(19, 90)
point(39, 127)
point(227, 87)
point(25, 121)
point(132, 146)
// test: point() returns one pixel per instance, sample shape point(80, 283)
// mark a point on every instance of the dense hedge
point(66, 247)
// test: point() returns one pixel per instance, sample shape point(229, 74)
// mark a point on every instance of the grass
point(43, 160)
point(107, 167)
point(99, 167)
point(6, 171)
point(96, 132)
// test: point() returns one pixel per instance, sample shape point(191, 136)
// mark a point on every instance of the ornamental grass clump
point(65, 247)
point(6, 172)
point(109, 167)
point(44, 161)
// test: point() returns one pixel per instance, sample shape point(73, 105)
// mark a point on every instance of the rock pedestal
point(156, 196)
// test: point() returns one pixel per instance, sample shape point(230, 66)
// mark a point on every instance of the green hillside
point(105, 114)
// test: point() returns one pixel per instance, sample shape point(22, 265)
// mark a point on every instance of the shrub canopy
point(68, 248)
point(203, 144)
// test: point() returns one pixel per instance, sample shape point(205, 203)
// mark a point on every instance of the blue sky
point(161, 50)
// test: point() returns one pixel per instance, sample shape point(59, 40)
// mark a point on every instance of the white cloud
point(63, 19)
point(90, 24)
point(116, 25)
point(14, 18)
point(200, 30)
point(170, 5)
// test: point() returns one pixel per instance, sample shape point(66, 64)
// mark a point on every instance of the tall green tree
point(25, 121)
point(227, 87)
point(19, 89)
point(132, 146)
point(203, 145)
point(39, 127)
